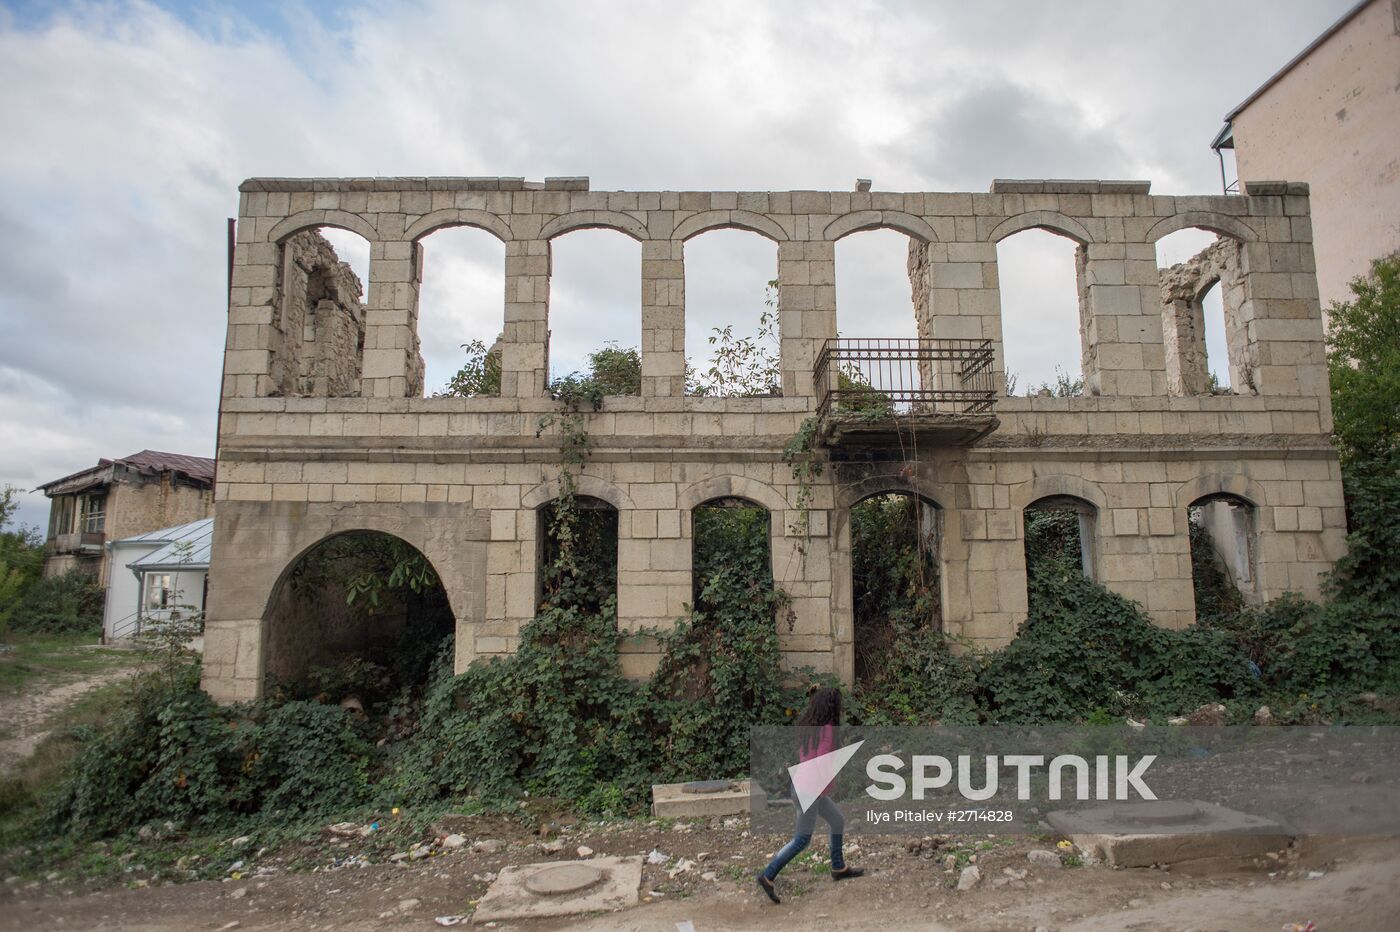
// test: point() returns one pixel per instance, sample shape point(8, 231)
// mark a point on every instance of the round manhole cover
point(563, 880)
point(1158, 812)
point(710, 786)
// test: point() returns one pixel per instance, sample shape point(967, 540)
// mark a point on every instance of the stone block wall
point(462, 478)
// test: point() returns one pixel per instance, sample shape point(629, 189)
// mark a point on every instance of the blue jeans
point(806, 822)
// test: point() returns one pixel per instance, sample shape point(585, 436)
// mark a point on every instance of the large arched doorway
point(1223, 547)
point(895, 583)
point(361, 614)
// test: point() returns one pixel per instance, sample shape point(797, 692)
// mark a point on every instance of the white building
point(156, 576)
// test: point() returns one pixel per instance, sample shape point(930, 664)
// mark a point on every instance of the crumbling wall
point(1183, 287)
point(318, 336)
point(922, 296)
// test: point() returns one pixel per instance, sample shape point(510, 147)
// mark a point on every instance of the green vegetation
point(1086, 654)
point(479, 375)
point(1364, 360)
point(21, 558)
point(1064, 386)
point(33, 657)
point(742, 367)
point(70, 603)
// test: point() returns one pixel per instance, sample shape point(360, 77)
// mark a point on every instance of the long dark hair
point(823, 707)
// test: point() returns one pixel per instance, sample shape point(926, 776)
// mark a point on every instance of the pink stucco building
point(1331, 118)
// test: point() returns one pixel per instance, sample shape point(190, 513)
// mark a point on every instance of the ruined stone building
point(324, 428)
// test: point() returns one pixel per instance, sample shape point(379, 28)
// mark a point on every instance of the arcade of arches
point(324, 430)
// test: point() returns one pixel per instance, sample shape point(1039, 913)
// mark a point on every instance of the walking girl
point(819, 722)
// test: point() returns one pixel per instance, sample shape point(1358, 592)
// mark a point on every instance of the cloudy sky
point(129, 125)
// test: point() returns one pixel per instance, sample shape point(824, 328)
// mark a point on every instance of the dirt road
point(23, 718)
point(1339, 884)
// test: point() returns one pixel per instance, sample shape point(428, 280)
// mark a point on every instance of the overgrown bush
point(69, 603)
point(479, 375)
point(21, 557)
point(173, 754)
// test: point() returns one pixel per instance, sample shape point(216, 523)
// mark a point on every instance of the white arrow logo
point(810, 777)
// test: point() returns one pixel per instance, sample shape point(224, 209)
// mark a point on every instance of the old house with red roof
point(121, 498)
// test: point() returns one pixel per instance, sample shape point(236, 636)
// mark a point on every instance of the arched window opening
point(595, 299)
point(359, 616)
point(875, 314)
point(1060, 536)
point(352, 248)
point(318, 334)
point(577, 556)
point(731, 549)
point(731, 315)
point(1223, 545)
point(1203, 294)
point(461, 311)
point(895, 585)
point(1042, 313)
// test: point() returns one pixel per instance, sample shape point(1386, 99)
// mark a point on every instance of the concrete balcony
point(886, 393)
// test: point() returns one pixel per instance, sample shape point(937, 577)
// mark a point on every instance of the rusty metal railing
point(877, 377)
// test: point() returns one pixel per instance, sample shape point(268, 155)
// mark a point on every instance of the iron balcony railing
point(875, 377)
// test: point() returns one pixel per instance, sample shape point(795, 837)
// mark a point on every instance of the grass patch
point(37, 657)
point(22, 792)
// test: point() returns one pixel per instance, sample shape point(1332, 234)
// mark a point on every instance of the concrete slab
point(1171, 831)
point(561, 888)
point(704, 798)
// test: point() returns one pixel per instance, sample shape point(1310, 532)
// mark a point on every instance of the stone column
point(1144, 546)
point(806, 310)
point(815, 633)
point(1281, 318)
point(525, 337)
point(663, 318)
point(957, 297)
point(1121, 317)
point(251, 314)
point(393, 367)
point(982, 566)
point(653, 571)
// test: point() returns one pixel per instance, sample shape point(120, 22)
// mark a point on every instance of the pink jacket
point(825, 744)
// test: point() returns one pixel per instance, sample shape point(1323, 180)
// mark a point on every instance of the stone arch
point(759, 493)
point(1206, 284)
point(1050, 220)
point(1220, 224)
point(1054, 486)
point(862, 220)
point(1066, 494)
point(300, 631)
point(601, 489)
point(451, 217)
point(853, 493)
point(310, 219)
point(1232, 484)
point(595, 220)
point(696, 224)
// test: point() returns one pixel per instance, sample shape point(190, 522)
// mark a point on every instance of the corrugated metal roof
point(147, 462)
point(186, 546)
